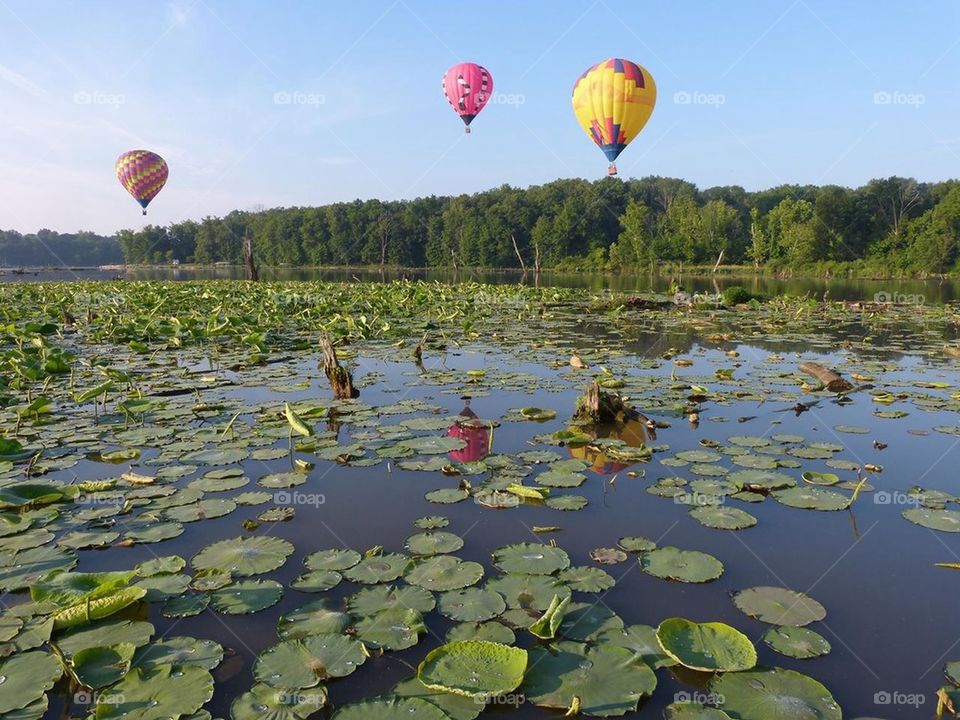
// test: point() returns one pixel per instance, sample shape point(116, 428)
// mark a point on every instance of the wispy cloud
point(19, 81)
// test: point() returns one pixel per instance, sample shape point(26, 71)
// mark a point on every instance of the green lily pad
point(312, 619)
point(693, 711)
point(433, 543)
point(492, 631)
point(180, 651)
point(156, 693)
point(392, 629)
point(689, 566)
point(474, 668)
point(378, 569)
point(796, 642)
point(447, 496)
point(317, 581)
point(263, 702)
point(391, 708)
point(812, 498)
point(185, 606)
point(566, 502)
point(721, 517)
point(530, 559)
point(306, 662)
point(774, 694)
point(608, 681)
point(161, 565)
point(441, 573)
point(431, 522)
point(244, 556)
point(372, 600)
point(246, 596)
point(943, 520)
point(471, 604)
point(640, 639)
point(708, 647)
point(533, 592)
point(104, 633)
point(779, 606)
point(586, 579)
point(636, 544)
point(585, 621)
point(457, 707)
point(27, 676)
point(333, 559)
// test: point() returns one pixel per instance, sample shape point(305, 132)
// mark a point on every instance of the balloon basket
point(144, 212)
point(467, 129)
point(612, 170)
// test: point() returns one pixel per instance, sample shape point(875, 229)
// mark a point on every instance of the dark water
point(903, 291)
point(892, 618)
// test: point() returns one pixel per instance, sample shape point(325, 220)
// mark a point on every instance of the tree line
point(888, 224)
point(49, 248)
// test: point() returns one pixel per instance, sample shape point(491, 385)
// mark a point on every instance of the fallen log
point(831, 380)
point(341, 382)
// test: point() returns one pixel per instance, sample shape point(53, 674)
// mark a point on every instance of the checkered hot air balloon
point(613, 101)
point(143, 174)
point(468, 87)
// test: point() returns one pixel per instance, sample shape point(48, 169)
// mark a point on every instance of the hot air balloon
point(613, 101)
point(468, 87)
point(143, 174)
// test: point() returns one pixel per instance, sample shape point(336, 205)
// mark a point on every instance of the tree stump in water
point(828, 378)
point(341, 382)
point(598, 406)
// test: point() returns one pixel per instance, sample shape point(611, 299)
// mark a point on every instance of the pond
point(152, 422)
point(903, 291)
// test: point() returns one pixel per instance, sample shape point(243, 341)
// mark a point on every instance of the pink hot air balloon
point(468, 87)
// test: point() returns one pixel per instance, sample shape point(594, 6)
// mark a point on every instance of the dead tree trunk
point(828, 378)
point(516, 249)
point(598, 406)
point(252, 273)
point(340, 379)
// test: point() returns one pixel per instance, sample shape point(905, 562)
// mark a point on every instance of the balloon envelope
point(143, 174)
point(468, 87)
point(613, 101)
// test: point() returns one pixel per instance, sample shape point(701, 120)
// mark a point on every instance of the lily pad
point(444, 572)
point(306, 662)
point(708, 647)
point(263, 702)
point(474, 668)
point(943, 520)
point(378, 569)
point(433, 543)
point(457, 707)
point(471, 604)
point(156, 693)
point(246, 596)
point(333, 559)
point(312, 619)
point(391, 708)
point(608, 681)
point(812, 498)
point(689, 566)
point(373, 600)
point(530, 558)
point(796, 642)
point(244, 556)
point(779, 606)
point(774, 694)
point(27, 676)
point(721, 517)
point(392, 629)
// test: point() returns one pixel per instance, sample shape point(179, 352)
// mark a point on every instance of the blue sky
point(749, 93)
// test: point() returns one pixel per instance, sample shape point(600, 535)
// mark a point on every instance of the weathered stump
point(828, 378)
point(341, 382)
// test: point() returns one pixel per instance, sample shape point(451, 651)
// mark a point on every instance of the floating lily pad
point(391, 708)
point(636, 544)
point(306, 662)
point(246, 596)
point(431, 522)
point(156, 693)
point(492, 631)
point(474, 668)
point(708, 647)
point(585, 621)
point(447, 496)
point(566, 502)
point(312, 619)
point(689, 566)
point(157, 566)
point(457, 707)
point(944, 520)
point(774, 694)
point(640, 639)
point(263, 702)
point(693, 711)
point(317, 581)
point(185, 606)
point(533, 592)
point(378, 569)
point(433, 543)
point(723, 518)
point(372, 600)
point(586, 579)
point(608, 681)
point(471, 604)
point(779, 606)
point(796, 642)
point(812, 498)
point(244, 556)
point(392, 629)
point(180, 651)
point(530, 558)
point(27, 676)
point(444, 572)
point(333, 559)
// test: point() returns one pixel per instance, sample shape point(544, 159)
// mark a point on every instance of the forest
point(888, 225)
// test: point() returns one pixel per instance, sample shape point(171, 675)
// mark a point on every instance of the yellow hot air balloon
point(613, 101)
